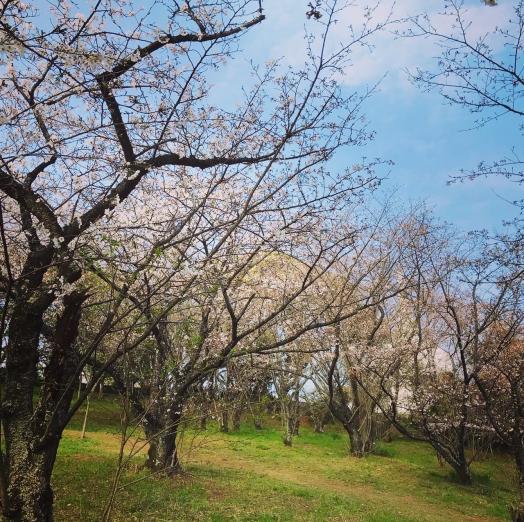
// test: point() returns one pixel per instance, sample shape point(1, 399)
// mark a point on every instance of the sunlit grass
point(251, 475)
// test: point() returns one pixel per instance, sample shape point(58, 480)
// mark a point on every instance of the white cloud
point(283, 34)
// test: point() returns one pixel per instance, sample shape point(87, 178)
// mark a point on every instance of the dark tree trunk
point(349, 420)
point(203, 422)
point(162, 456)
point(350, 413)
point(257, 423)
point(462, 468)
point(237, 417)
point(357, 439)
point(463, 474)
point(32, 435)
point(29, 493)
point(517, 511)
point(456, 459)
point(224, 421)
point(356, 444)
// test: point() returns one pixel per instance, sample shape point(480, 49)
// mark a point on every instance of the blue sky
point(427, 139)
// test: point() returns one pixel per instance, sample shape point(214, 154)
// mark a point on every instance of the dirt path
point(365, 494)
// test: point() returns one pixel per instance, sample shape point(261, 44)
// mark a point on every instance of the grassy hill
point(251, 475)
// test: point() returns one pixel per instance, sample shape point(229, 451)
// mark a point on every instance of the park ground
point(250, 475)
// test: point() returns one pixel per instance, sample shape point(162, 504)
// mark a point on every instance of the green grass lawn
point(251, 475)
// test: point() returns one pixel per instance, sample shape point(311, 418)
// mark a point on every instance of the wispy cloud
point(387, 53)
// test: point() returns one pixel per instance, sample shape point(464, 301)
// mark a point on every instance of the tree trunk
point(463, 474)
point(162, 456)
point(203, 422)
point(84, 424)
point(237, 416)
point(290, 411)
point(356, 444)
point(460, 462)
point(290, 427)
point(25, 488)
point(32, 435)
point(319, 425)
point(29, 493)
point(296, 426)
point(288, 438)
point(101, 389)
point(224, 421)
point(456, 460)
point(517, 511)
point(356, 424)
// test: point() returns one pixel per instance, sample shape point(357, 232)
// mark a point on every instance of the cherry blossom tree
point(342, 373)
point(429, 367)
point(348, 401)
point(100, 105)
point(499, 358)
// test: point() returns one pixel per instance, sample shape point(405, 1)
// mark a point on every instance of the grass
point(251, 476)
